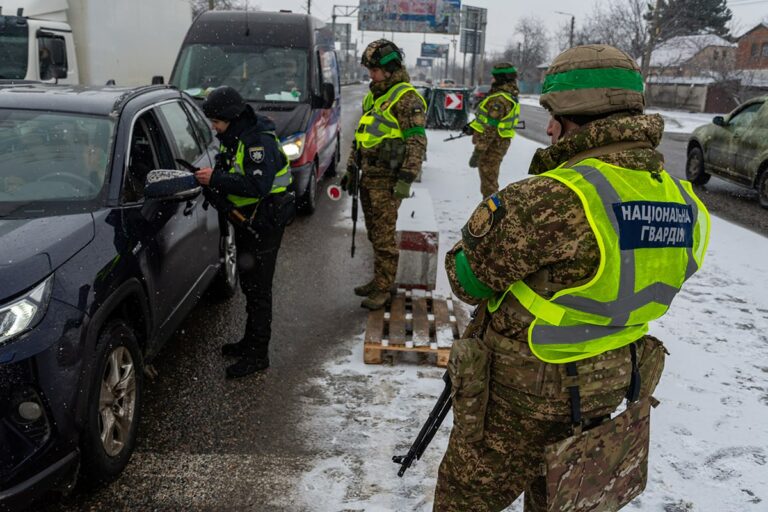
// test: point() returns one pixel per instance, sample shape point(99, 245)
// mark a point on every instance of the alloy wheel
point(117, 401)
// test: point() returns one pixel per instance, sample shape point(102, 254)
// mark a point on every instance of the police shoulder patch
point(256, 153)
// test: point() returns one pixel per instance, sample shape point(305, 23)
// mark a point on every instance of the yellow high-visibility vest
point(281, 182)
point(377, 122)
point(652, 237)
point(506, 125)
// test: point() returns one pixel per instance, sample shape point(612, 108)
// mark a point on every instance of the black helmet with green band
point(592, 80)
point(382, 54)
point(504, 72)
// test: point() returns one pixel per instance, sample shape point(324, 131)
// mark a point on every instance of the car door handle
point(189, 207)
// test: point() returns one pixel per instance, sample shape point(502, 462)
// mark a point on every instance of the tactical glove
point(402, 189)
point(467, 129)
point(473, 159)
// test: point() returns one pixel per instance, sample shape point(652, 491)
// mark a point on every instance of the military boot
point(366, 289)
point(234, 349)
point(376, 300)
point(246, 366)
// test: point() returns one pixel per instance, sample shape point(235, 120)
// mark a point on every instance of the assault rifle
point(355, 192)
point(221, 203)
point(520, 126)
point(428, 431)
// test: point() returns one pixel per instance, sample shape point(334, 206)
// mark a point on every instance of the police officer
point(254, 174)
point(390, 143)
point(568, 266)
point(492, 129)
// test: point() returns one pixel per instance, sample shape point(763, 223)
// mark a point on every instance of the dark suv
point(734, 148)
point(94, 277)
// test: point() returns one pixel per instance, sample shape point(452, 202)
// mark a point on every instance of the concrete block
point(418, 240)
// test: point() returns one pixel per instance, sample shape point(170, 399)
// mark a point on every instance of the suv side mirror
point(718, 120)
point(328, 93)
point(171, 185)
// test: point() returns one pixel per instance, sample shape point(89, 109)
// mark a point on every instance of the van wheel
point(694, 167)
point(762, 187)
point(113, 408)
point(308, 200)
point(224, 285)
point(333, 169)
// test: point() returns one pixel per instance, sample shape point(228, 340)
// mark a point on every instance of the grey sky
point(502, 17)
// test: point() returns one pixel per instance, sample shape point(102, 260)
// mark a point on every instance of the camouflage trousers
point(488, 164)
point(380, 211)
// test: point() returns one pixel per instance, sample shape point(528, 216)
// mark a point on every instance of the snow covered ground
point(675, 121)
point(709, 444)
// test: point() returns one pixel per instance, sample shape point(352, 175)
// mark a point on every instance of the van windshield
point(259, 73)
point(14, 44)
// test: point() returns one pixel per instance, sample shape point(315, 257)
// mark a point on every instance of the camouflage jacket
point(497, 108)
point(540, 234)
point(376, 161)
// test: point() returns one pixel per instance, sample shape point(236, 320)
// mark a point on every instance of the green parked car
point(734, 148)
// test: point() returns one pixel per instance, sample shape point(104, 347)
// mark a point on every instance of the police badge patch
point(256, 153)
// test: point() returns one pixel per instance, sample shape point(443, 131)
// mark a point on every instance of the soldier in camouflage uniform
point(511, 395)
point(493, 128)
point(390, 143)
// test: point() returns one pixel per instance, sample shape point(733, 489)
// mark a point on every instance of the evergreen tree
point(689, 17)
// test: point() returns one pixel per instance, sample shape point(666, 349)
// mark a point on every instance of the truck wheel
point(113, 408)
point(308, 200)
point(224, 285)
point(694, 167)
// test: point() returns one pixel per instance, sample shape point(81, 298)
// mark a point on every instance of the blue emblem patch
point(648, 224)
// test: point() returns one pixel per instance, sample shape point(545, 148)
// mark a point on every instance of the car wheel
point(762, 188)
point(113, 408)
point(224, 285)
point(308, 201)
point(694, 167)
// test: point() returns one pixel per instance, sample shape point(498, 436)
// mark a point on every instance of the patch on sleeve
point(256, 153)
point(481, 221)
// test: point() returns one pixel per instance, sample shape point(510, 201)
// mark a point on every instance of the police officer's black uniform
point(257, 255)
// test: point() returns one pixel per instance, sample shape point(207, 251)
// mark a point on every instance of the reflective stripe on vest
point(506, 125)
point(283, 177)
point(652, 237)
point(377, 122)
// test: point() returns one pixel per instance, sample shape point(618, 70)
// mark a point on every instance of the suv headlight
point(293, 146)
point(25, 312)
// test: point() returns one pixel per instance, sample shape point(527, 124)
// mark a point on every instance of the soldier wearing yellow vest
point(253, 172)
point(569, 267)
point(390, 143)
point(492, 129)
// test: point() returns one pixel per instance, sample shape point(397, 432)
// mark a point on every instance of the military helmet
point(223, 103)
point(504, 72)
point(592, 80)
point(382, 54)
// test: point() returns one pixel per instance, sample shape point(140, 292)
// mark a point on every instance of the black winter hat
point(223, 103)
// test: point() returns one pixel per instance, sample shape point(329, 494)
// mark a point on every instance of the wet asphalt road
point(728, 201)
point(210, 444)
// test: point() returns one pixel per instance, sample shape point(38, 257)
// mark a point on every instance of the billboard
point(423, 63)
point(433, 50)
point(426, 16)
point(343, 33)
point(473, 22)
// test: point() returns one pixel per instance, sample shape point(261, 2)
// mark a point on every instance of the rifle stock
point(355, 193)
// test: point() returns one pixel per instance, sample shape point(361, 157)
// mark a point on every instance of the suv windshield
point(259, 73)
point(51, 158)
point(14, 36)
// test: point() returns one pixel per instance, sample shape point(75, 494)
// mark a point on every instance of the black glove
point(467, 129)
point(348, 183)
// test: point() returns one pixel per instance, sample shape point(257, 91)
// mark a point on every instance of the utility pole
point(309, 6)
point(573, 22)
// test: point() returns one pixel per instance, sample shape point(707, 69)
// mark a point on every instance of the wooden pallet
point(414, 322)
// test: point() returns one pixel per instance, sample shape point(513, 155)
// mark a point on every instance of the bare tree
point(531, 50)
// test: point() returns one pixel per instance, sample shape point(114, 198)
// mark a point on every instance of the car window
point(203, 127)
point(181, 131)
point(746, 116)
point(148, 151)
